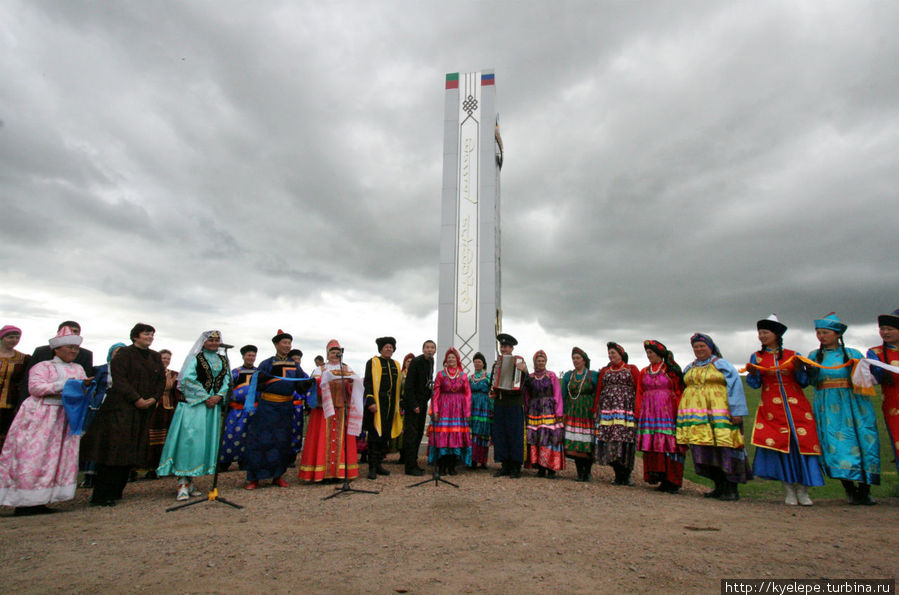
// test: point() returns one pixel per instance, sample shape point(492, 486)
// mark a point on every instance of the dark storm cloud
point(668, 167)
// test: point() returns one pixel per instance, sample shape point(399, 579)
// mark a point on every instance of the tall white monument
point(469, 313)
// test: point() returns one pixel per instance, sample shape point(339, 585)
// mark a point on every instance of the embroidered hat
point(65, 336)
point(281, 335)
point(831, 322)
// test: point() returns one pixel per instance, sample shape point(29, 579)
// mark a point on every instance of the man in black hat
point(508, 415)
point(382, 419)
point(416, 394)
point(270, 428)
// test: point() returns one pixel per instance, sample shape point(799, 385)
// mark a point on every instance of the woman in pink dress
point(449, 435)
point(39, 462)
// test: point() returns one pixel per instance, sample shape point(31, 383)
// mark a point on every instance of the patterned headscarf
point(618, 348)
point(583, 354)
point(539, 353)
point(666, 355)
point(703, 338)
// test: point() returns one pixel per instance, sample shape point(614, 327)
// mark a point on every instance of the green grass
point(766, 489)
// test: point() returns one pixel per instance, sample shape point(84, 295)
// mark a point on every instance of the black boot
point(719, 486)
point(550, 474)
point(515, 470)
point(372, 471)
point(588, 469)
point(863, 495)
point(579, 465)
point(452, 465)
point(503, 470)
point(380, 470)
point(541, 472)
point(731, 491)
point(849, 487)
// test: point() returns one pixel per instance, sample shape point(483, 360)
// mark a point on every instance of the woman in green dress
point(578, 389)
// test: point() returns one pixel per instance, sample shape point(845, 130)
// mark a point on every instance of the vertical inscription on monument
point(467, 216)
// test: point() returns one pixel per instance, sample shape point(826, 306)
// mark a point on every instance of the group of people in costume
point(60, 415)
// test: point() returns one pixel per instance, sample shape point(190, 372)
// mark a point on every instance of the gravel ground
point(496, 535)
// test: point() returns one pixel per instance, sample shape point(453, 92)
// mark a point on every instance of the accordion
point(505, 375)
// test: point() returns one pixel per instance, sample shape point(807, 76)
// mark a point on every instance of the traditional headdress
point(506, 339)
point(831, 322)
point(65, 336)
point(703, 338)
point(618, 348)
point(8, 330)
point(196, 349)
point(882, 320)
point(582, 353)
point(111, 351)
point(479, 356)
point(281, 335)
point(666, 355)
point(539, 353)
point(248, 348)
point(772, 324)
point(382, 341)
point(458, 357)
point(333, 344)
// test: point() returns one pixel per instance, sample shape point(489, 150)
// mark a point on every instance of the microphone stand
point(213, 495)
point(346, 487)
point(435, 476)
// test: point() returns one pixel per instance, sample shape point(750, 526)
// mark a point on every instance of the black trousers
point(413, 431)
point(110, 482)
point(377, 446)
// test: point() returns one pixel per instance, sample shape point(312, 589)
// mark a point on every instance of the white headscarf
point(196, 349)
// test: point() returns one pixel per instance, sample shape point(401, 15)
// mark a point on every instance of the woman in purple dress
point(449, 435)
point(544, 415)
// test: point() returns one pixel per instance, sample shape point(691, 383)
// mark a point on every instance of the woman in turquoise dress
point(847, 425)
point(481, 421)
point(191, 446)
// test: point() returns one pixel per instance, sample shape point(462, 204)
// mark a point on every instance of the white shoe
point(790, 500)
point(183, 494)
point(193, 491)
point(802, 494)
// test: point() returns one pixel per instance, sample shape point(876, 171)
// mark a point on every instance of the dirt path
point(496, 535)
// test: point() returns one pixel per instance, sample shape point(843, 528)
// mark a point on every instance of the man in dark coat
point(416, 394)
point(43, 353)
point(382, 404)
point(508, 415)
point(119, 437)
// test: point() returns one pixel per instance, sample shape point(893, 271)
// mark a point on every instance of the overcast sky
point(670, 167)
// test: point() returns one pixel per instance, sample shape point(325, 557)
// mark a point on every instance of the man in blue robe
point(270, 428)
point(234, 442)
